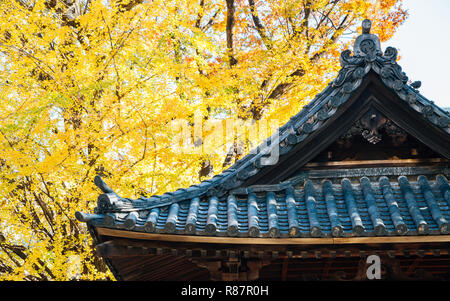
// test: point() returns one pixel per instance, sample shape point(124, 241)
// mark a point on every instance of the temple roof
point(343, 209)
point(227, 205)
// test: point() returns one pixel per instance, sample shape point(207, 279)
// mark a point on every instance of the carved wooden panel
point(371, 125)
point(375, 137)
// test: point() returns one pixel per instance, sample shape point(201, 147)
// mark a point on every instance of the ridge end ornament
point(367, 45)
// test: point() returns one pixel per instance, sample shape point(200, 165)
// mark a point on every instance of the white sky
point(423, 42)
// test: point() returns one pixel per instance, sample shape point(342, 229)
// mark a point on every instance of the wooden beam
point(212, 239)
point(391, 239)
point(271, 241)
point(376, 162)
point(337, 172)
point(111, 249)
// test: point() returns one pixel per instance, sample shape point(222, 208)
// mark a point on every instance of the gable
point(381, 142)
point(373, 99)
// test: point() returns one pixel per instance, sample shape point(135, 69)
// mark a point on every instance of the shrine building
point(362, 170)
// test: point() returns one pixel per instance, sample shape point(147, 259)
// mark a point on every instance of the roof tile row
point(347, 209)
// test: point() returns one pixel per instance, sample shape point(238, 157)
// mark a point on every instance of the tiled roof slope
point(384, 207)
point(354, 69)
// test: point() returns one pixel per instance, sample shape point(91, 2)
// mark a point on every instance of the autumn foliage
point(91, 87)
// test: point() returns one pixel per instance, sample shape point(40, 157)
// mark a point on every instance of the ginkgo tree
point(92, 87)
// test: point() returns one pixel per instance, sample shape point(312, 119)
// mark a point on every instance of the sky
point(423, 42)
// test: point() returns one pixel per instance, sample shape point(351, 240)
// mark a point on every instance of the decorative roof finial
point(366, 25)
point(367, 44)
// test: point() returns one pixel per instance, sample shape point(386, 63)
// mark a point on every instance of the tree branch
point(259, 26)
point(258, 107)
point(200, 14)
point(229, 31)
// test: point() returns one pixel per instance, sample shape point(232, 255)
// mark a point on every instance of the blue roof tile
point(358, 208)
